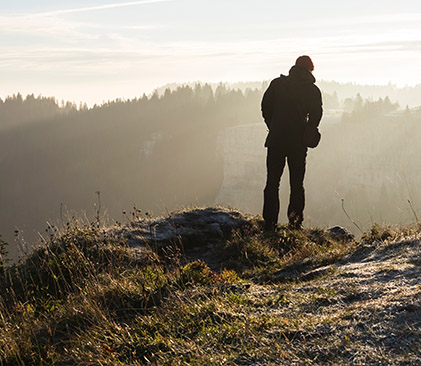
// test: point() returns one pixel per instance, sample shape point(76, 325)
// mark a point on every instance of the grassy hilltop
point(207, 287)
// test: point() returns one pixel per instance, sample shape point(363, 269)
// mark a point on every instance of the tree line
point(158, 152)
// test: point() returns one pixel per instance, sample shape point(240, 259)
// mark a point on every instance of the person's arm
point(267, 104)
point(315, 111)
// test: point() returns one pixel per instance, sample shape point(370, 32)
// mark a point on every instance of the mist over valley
point(201, 145)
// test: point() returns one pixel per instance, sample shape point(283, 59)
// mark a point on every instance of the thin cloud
point(143, 27)
point(100, 7)
point(50, 24)
point(345, 24)
point(95, 8)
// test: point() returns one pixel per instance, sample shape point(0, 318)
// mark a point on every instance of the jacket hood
point(301, 75)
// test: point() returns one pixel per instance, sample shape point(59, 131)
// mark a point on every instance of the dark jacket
point(288, 104)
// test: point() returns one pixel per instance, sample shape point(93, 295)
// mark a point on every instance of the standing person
point(292, 110)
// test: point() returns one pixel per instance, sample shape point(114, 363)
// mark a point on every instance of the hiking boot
point(270, 226)
point(295, 226)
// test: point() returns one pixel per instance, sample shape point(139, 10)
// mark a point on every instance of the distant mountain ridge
point(406, 95)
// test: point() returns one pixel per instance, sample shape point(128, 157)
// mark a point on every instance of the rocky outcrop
point(192, 228)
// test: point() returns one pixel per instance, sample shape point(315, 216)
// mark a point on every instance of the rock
point(193, 228)
point(318, 272)
point(338, 232)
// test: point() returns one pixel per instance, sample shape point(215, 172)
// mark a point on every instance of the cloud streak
point(50, 24)
point(129, 53)
point(95, 8)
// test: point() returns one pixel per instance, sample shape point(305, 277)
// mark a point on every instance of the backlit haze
point(98, 50)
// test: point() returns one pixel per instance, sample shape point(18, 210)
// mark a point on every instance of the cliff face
point(369, 163)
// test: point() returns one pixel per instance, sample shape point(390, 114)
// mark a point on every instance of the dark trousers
point(275, 163)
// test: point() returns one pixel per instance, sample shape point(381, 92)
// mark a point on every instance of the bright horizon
point(99, 50)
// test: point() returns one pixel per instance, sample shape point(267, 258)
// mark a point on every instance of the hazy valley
point(201, 145)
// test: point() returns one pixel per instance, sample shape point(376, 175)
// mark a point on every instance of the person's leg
point(297, 168)
point(275, 163)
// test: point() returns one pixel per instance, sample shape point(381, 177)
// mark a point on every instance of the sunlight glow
point(88, 53)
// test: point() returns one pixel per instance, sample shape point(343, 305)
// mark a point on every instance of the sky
point(98, 50)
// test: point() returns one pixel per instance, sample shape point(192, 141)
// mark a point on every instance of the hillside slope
point(207, 287)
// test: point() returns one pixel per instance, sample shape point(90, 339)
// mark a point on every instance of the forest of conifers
point(156, 152)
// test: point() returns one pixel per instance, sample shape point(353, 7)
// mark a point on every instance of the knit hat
point(305, 61)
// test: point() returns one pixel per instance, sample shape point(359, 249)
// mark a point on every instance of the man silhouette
point(291, 108)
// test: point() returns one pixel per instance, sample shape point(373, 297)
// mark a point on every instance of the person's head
point(306, 62)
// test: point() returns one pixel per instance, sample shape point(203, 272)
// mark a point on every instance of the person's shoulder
point(314, 93)
point(317, 90)
point(314, 89)
point(279, 81)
